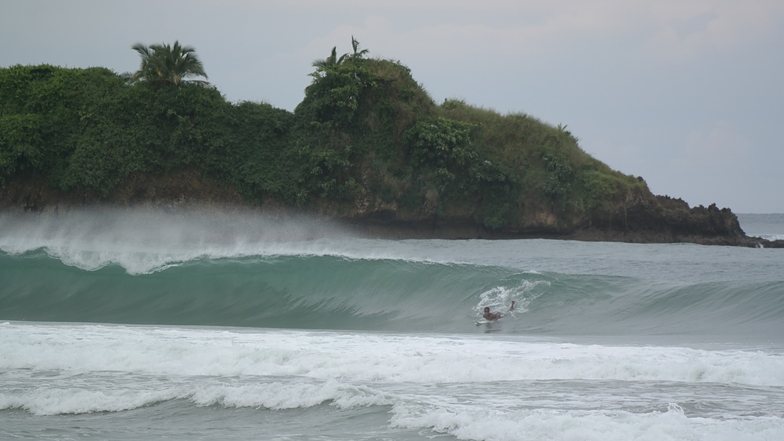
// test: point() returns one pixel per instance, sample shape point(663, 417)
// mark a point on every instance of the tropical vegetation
point(168, 64)
point(366, 140)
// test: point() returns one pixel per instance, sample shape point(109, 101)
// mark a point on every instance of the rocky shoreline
point(641, 219)
point(446, 229)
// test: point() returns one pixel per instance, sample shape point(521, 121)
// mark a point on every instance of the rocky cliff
point(639, 219)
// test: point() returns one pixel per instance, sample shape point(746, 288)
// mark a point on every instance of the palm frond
point(355, 45)
point(162, 63)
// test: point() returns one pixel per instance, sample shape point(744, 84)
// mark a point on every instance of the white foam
point(278, 396)
point(499, 298)
point(367, 357)
point(771, 236)
point(125, 393)
point(476, 423)
point(470, 387)
point(49, 401)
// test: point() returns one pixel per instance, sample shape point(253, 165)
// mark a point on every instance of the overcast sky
point(688, 94)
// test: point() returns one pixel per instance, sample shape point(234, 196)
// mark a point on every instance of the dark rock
point(640, 218)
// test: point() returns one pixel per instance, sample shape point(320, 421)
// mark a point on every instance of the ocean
point(196, 325)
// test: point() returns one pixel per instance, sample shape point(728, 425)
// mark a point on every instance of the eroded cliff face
point(650, 218)
point(641, 217)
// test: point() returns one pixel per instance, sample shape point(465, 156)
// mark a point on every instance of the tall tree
point(331, 60)
point(162, 64)
point(357, 53)
point(325, 64)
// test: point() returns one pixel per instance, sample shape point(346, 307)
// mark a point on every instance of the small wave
point(368, 358)
point(771, 237)
point(51, 400)
point(277, 396)
point(475, 422)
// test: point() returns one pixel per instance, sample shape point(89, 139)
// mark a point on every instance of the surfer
point(495, 315)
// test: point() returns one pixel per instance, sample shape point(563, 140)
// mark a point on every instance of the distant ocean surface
point(766, 226)
point(138, 325)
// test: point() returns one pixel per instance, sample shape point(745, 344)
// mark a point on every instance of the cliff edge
point(654, 219)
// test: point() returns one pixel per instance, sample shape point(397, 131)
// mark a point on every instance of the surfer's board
point(485, 322)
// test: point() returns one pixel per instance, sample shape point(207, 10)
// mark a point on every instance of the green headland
point(367, 145)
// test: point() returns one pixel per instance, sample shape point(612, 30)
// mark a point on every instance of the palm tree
point(357, 53)
point(163, 64)
point(331, 60)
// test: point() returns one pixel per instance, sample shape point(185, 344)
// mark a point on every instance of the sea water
point(137, 325)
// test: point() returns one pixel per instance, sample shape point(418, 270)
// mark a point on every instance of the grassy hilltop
point(366, 144)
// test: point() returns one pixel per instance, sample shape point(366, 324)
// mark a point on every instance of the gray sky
point(688, 94)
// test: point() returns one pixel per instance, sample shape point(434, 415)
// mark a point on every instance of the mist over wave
point(147, 240)
point(240, 269)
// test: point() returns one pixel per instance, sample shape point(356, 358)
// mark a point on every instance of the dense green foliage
point(365, 139)
point(89, 129)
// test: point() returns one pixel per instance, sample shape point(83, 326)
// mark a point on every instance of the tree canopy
point(168, 64)
point(332, 60)
point(366, 140)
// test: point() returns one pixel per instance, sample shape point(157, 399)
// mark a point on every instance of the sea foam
point(126, 393)
point(368, 357)
point(546, 424)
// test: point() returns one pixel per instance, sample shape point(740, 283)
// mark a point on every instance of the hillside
point(367, 145)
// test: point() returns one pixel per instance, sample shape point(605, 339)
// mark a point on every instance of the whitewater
point(135, 324)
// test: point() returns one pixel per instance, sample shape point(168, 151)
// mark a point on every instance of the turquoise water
point(145, 325)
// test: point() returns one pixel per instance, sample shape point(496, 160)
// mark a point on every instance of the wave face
point(153, 268)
